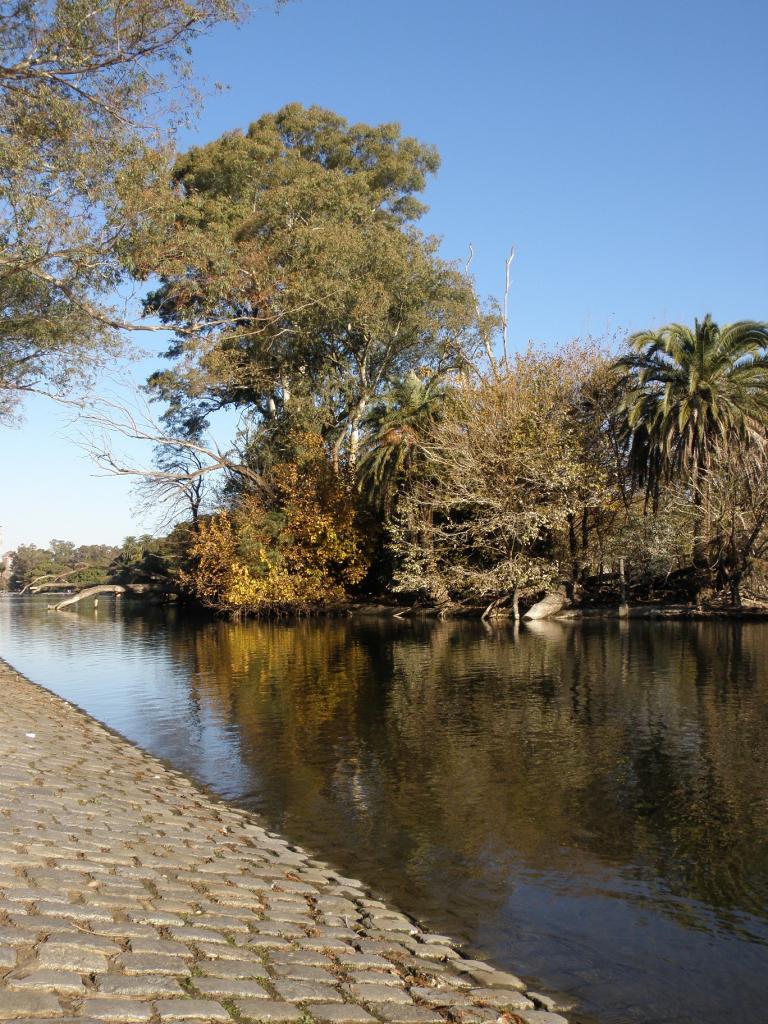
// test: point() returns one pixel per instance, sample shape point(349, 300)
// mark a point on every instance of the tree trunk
point(354, 431)
point(623, 606)
point(89, 592)
point(698, 554)
point(550, 604)
point(573, 547)
point(336, 454)
point(516, 604)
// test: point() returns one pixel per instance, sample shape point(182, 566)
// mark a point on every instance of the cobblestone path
point(129, 895)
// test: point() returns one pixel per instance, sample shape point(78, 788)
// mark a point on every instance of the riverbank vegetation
point(388, 440)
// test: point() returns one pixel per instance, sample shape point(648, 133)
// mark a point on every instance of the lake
point(585, 804)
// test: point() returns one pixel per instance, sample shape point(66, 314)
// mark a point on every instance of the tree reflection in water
point(584, 801)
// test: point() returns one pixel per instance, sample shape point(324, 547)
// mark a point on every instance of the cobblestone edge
point(131, 894)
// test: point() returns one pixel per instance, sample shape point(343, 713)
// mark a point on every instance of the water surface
point(584, 804)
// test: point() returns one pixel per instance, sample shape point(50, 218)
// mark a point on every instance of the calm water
point(587, 805)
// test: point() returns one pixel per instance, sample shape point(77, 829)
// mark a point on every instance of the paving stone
point(363, 960)
point(190, 1009)
point(189, 934)
point(300, 956)
point(68, 910)
point(82, 941)
point(268, 1010)
point(379, 994)
point(398, 1013)
point(441, 996)
point(375, 977)
point(164, 947)
point(328, 945)
point(149, 986)
point(229, 988)
point(28, 1004)
point(502, 999)
point(57, 981)
point(303, 972)
point(20, 936)
point(266, 942)
point(124, 930)
point(479, 1015)
point(225, 923)
point(55, 1020)
point(499, 979)
point(68, 959)
point(542, 1017)
point(7, 957)
point(232, 969)
point(155, 917)
point(553, 1004)
point(116, 1009)
point(151, 963)
point(306, 992)
point(335, 1013)
point(225, 952)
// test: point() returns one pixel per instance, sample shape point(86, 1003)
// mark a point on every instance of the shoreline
point(130, 893)
point(401, 612)
point(640, 611)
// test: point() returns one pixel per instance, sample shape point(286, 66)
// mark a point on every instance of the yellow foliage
point(300, 547)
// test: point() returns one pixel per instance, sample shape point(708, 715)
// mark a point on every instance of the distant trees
point(61, 565)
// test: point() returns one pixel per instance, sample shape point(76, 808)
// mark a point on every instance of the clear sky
point(621, 147)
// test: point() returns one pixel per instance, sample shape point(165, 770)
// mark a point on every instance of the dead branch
point(106, 418)
point(89, 592)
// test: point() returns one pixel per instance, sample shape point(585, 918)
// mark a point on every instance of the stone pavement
point(127, 894)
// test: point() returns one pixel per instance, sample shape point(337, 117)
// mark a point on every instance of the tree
point(295, 242)
point(504, 470)
point(687, 391)
point(300, 548)
point(393, 428)
point(62, 564)
point(734, 486)
point(84, 88)
point(180, 490)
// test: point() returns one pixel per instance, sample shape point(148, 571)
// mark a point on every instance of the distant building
point(5, 563)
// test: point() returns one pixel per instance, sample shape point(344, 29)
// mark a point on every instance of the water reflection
point(584, 803)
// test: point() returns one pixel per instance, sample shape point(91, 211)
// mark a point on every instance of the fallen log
point(88, 592)
point(550, 604)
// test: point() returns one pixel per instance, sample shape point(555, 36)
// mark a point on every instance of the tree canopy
point(297, 249)
point(88, 96)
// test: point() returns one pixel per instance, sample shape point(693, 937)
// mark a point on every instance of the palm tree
point(393, 428)
point(686, 390)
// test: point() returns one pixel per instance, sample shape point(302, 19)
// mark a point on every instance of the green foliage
point(79, 84)
point(685, 392)
point(297, 277)
point(61, 565)
point(686, 389)
point(393, 429)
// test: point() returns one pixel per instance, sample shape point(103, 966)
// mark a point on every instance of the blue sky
point(620, 147)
